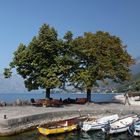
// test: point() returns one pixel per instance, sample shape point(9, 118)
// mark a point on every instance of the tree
point(67, 60)
point(99, 56)
point(48, 62)
point(38, 63)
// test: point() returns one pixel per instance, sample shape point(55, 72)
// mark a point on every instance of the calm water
point(96, 97)
point(94, 135)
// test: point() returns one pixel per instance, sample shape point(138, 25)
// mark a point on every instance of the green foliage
point(7, 73)
point(137, 86)
point(48, 62)
point(66, 59)
point(37, 63)
point(100, 56)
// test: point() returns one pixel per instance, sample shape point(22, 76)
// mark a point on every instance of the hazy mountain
point(136, 67)
point(133, 83)
point(15, 84)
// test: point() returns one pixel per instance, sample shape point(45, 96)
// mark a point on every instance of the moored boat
point(81, 100)
point(46, 102)
point(119, 99)
point(96, 124)
point(134, 129)
point(128, 98)
point(57, 129)
point(60, 126)
point(120, 125)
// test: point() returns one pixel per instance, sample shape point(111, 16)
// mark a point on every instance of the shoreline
point(22, 118)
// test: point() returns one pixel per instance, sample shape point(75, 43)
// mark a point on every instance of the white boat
point(134, 101)
point(120, 125)
point(96, 124)
point(131, 99)
point(134, 129)
point(119, 99)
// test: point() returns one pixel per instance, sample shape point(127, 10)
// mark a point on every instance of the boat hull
point(119, 126)
point(131, 100)
point(134, 129)
point(89, 127)
point(97, 124)
point(118, 130)
point(48, 131)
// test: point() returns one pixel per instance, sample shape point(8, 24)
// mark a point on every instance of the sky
point(20, 20)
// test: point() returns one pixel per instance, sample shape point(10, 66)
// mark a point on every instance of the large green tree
point(67, 61)
point(99, 56)
point(38, 63)
point(48, 62)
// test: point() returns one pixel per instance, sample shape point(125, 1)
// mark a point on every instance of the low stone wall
point(17, 125)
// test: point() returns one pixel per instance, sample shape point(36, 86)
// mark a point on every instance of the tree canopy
point(48, 62)
point(37, 63)
point(100, 56)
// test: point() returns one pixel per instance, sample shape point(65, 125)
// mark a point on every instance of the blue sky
point(20, 20)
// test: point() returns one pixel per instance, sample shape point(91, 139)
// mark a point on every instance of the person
point(126, 99)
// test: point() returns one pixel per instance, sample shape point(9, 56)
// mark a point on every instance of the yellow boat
point(61, 126)
point(56, 129)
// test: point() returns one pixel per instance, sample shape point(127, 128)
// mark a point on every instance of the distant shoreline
point(96, 97)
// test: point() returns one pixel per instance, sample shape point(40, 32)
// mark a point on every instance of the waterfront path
point(16, 119)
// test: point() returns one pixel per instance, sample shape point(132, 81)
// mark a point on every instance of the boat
point(130, 98)
point(57, 129)
point(81, 100)
point(134, 129)
point(60, 126)
point(96, 124)
point(119, 99)
point(46, 102)
point(75, 101)
point(37, 102)
point(52, 103)
point(120, 125)
point(69, 101)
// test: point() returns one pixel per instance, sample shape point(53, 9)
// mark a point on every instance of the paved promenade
point(16, 119)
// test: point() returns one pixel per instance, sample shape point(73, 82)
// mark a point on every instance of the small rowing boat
point(134, 129)
point(120, 125)
point(96, 124)
point(60, 127)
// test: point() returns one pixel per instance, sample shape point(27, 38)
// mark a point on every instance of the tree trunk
point(89, 95)
point(48, 93)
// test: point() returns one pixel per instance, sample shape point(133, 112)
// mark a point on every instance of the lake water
point(96, 97)
point(76, 135)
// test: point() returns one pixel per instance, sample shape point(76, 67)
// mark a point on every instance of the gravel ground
point(20, 111)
